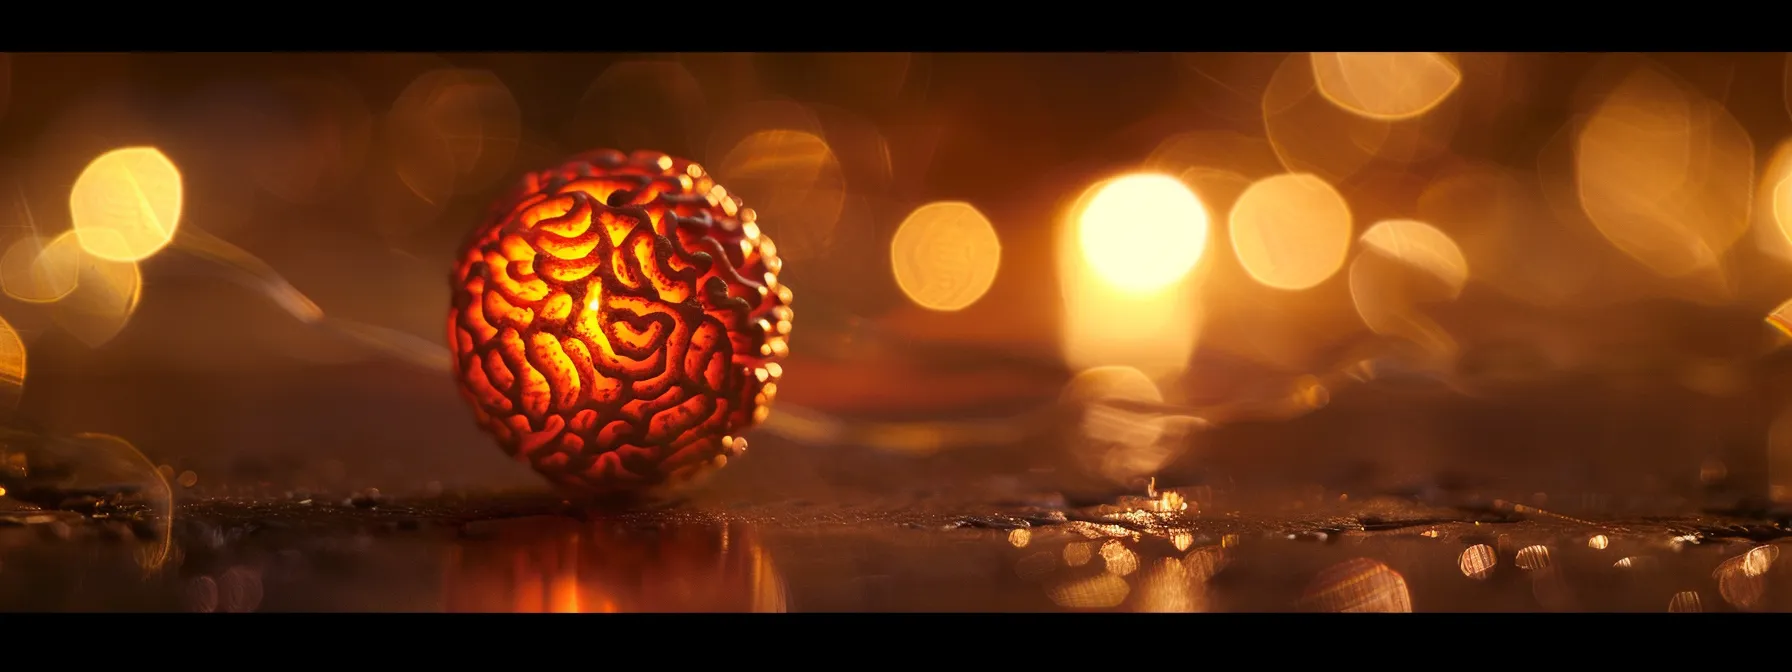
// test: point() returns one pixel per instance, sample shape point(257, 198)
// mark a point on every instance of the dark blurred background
point(1525, 272)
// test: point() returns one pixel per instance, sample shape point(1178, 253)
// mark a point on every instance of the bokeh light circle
point(453, 131)
point(1421, 246)
point(798, 187)
point(105, 298)
point(1389, 86)
point(1665, 173)
point(126, 205)
point(945, 255)
point(1109, 439)
point(1142, 232)
point(34, 270)
point(1290, 231)
point(1406, 265)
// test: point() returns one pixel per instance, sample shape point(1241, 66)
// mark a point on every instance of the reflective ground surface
point(531, 555)
point(285, 518)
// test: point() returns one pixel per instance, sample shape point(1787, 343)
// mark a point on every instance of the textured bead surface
point(616, 322)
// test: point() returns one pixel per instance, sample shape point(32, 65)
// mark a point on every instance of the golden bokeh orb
point(126, 204)
point(1143, 232)
point(945, 255)
point(35, 270)
point(1420, 246)
point(1388, 85)
point(1290, 231)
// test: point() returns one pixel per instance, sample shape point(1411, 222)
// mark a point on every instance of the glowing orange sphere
point(616, 322)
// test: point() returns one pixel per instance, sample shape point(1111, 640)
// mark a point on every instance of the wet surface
point(367, 552)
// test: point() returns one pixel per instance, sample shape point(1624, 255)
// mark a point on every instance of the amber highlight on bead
point(616, 322)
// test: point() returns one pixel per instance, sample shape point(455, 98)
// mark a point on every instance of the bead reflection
point(559, 565)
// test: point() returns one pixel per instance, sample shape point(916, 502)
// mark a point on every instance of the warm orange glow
point(796, 181)
point(1422, 247)
point(1109, 439)
point(1665, 173)
point(126, 205)
point(1129, 256)
point(105, 298)
point(1771, 223)
point(1143, 232)
point(1781, 318)
point(563, 566)
point(1685, 602)
point(1477, 561)
point(1779, 456)
point(1290, 231)
point(1385, 85)
point(452, 130)
point(616, 322)
point(945, 255)
point(1360, 585)
point(12, 368)
point(1405, 265)
point(104, 458)
point(35, 270)
point(1782, 204)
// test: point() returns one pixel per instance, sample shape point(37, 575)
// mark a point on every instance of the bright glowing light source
point(945, 255)
point(1124, 259)
point(1290, 231)
point(126, 204)
point(1143, 232)
point(1385, 85)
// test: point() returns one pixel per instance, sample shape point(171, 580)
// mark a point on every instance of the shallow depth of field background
point(1549, 274)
